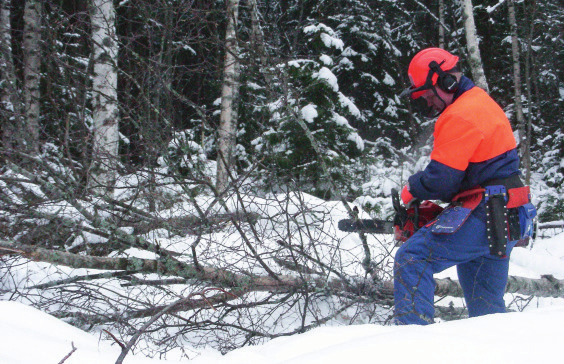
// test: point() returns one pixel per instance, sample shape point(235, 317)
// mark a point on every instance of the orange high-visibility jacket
point(473, 143)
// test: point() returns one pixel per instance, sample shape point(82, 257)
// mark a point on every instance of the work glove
point(406, 196)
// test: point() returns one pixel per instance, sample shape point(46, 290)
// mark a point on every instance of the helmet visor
point(421, 107)
point(416, 92)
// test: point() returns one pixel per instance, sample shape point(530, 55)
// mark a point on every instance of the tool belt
point(509, 213)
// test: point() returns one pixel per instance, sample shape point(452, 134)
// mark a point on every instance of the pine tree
point(308, 90)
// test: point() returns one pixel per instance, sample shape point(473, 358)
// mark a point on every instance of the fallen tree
point(545, 286)
point(218, 270)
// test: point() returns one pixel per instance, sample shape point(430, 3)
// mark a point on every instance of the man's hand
point(406, 196)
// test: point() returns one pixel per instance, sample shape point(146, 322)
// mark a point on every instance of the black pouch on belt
point(496, 220)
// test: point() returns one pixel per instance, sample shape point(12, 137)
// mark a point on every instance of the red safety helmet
point(420, 66)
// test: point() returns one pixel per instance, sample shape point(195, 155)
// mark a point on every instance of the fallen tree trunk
point(546, 286)
point(191, 225)
point(169, 266)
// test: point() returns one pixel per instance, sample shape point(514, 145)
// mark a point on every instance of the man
point(474, 152)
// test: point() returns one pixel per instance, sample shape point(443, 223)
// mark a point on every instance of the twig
point(122, 345)
point(133, 281)
point(89, 277)
point(11, 250)
point(131, 342)
point(69, 354)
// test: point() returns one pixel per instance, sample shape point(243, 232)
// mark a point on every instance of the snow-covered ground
point(28, 336)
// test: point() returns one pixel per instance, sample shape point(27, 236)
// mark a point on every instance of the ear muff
point(446, 81)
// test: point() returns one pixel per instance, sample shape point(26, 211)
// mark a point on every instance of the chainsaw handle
point(396, 201)
point(415, 205)
point(401, 211)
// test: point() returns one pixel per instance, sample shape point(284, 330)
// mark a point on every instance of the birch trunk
point(10, 108)
point(104, 102)
point(524, 146)
point(441, 22)
point(529, 124)
point(31, 75)
point(475, 59)
point(230, 90)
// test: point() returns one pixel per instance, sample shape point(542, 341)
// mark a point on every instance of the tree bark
point(524, 144)
point(165, 267)
point(257, 37)
point(546, 286)
point(32, 73)
point(474, 59)
point(530, 103)
point(441, 21)
point(10, 107)
point(228, 119)
point(104, 103)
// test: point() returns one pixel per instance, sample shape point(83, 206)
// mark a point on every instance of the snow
point(505, 338)
point(327, 35)
point(28, 336)
point(326, 75)
point(347, 103)
point(357, 140)
point(491, 9)
point(326, 60)
point(330, 41)
point(389, 80)
point(519, 337)
point(309, 112)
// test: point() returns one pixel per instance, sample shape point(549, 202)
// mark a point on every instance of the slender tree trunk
point(523, 141)
point(228, 118)
point(441, 21)
point(31, 75)
point(257, 41)
point(257, 38)
point(531, 107)
point(104, 102)
point(472, 44)
point(10, 107)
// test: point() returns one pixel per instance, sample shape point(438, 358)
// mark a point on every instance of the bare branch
point(132, 341)
point(69, 354)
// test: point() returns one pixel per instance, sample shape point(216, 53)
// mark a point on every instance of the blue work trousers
point(482, 276)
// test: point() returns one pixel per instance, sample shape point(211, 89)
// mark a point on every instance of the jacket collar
point(464, 85)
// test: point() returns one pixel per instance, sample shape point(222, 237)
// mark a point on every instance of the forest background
point(164, 143)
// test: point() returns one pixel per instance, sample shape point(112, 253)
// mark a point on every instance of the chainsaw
point(407, 220)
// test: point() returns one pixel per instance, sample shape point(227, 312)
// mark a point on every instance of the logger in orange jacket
point(473, 147)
